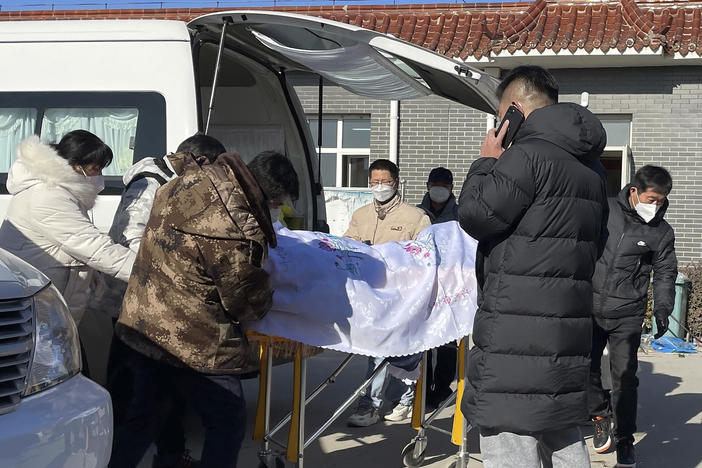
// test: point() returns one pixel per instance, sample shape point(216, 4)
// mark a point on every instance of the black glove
point(662, 326)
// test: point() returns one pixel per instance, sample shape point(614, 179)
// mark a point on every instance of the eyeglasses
point(383, 182)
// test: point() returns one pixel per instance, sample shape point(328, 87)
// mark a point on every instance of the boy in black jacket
point(639, 241)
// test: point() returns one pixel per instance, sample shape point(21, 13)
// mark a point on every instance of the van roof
point(93, 30)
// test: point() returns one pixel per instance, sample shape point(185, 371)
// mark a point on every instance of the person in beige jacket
point(387, 219)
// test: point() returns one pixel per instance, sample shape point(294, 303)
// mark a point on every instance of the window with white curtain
point(115, 126)
point(132, 124)
point(16, 124)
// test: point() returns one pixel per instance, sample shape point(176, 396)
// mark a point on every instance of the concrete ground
point(670, 420)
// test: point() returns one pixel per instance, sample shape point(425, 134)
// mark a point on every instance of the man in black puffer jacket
point(639, 241)
point(538, 210)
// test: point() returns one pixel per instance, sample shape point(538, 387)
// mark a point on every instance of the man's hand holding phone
point(499, 140)
point(492, 145)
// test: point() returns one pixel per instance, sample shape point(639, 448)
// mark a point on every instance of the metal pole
point(265, 454)
point(349, 401)
point(301, 422)
point(463, 454)
point(320, 109)
point(267, 404)
point(216, 75)
point(330, 380)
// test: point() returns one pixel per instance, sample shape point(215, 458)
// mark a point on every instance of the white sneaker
point(400, 413)
point(364, 417)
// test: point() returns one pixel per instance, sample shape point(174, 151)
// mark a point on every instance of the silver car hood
point(18, 278)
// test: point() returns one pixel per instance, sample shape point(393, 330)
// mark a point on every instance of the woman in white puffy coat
point(53, 188)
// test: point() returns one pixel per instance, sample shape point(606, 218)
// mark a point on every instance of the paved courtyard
point(670, 420)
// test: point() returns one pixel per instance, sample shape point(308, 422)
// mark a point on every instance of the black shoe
point(602, 440)
point(183, 460)
point(625, 454)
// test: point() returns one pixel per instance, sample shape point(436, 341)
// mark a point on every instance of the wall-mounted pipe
point(394, 131)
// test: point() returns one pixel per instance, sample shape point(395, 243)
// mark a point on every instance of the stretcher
point(413, 454)
point(274, 453)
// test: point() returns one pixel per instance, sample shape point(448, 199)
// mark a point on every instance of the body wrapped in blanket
point(391, 299)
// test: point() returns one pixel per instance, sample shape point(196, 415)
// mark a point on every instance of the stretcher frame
point(413, 454)
point(293, 451)
point(273, 450)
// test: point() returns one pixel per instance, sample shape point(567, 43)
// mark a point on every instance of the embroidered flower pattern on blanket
point(346, 259)
point(422, 251)
point(454, 297)
point(390, 299)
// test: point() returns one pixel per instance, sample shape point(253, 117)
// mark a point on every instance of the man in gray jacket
point(439, 202)
point(440, 205)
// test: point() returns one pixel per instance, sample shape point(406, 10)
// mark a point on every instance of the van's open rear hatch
point(364, 62)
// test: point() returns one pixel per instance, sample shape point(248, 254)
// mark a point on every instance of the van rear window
point(133, 124)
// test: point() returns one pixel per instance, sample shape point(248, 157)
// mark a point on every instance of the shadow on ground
point(669, 423)
point(672, 424)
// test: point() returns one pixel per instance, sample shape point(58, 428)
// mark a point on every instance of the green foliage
point(694, 299)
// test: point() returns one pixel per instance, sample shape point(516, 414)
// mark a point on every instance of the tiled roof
point(479, 31)
point(542, 25)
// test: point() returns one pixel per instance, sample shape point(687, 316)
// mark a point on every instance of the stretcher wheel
point(408, 457)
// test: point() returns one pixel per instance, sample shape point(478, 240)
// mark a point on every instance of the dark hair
point(385, 165)
point(202, 145)
point(275, 174)
point(441, 174)
point(82, 148)
point(654, 178)
point(535, 80)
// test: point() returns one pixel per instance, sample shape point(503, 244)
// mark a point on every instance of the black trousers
point(170, 435)
point(439, 378)
point(217, 399)
point(624, 338)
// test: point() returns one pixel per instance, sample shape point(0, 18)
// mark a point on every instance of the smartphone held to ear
point(515, 117)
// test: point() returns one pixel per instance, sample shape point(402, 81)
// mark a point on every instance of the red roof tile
point(481, 30)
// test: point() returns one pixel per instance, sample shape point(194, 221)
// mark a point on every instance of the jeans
point(217, 399)
point(556, 449)
point(624, 338)
point(396, 389)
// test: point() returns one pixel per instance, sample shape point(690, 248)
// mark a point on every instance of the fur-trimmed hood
point(39, 163)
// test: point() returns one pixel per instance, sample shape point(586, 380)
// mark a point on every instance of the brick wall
point(665, 104)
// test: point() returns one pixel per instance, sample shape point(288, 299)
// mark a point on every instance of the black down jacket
point(620, 284)
point(539, 214)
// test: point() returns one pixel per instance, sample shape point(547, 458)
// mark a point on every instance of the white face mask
point(382, 192)
point(647, 211)
point(98, 181)
point(439, 194)
point(275, 214)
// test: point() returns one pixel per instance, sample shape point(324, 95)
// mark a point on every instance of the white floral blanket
point(390, 299)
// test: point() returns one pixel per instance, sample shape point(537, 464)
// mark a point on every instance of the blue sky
point(6, 5)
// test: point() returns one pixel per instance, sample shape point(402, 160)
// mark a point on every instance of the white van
point(144, 86)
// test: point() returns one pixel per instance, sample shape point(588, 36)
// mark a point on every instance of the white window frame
point(625, 151)
point(339, 149)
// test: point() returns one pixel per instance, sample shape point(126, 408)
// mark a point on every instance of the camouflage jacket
point(198, 273)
